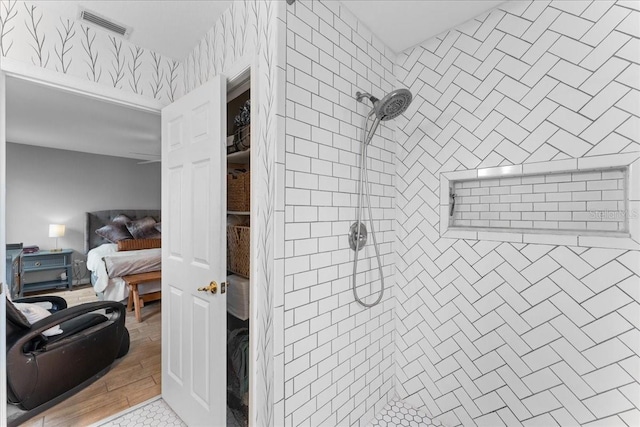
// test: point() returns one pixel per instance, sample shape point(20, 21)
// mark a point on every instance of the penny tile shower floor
point(400, 414)
point(153, 413)
point(158, 413)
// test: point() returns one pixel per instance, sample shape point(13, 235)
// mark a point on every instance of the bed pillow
point(33, 313)
point(143, 228)
point(121, 219)
point(137, 244)
point(114, 232)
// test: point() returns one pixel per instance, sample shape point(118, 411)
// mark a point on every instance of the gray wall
point(47, 186)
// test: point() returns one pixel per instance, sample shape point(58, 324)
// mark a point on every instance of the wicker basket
point(239, 191)
point(238, 248)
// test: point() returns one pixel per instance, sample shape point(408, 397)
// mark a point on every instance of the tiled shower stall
point(517, 321)
point(506, 200)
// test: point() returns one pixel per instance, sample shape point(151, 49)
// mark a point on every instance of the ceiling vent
point(103, 22)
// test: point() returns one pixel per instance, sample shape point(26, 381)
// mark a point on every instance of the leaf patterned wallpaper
point(238, 32)
point(35, 35)
point(249, 29)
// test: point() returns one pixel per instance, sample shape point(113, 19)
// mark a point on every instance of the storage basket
point(239, 191)
point(238, 248)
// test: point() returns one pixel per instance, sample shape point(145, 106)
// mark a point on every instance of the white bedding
point(238, 296)
point(114, 289)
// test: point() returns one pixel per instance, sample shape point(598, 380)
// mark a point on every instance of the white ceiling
point(47, 117)
point(401, 24)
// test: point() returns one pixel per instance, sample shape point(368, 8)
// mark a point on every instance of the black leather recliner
point(43, 371)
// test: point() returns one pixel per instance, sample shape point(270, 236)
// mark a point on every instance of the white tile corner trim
point(555, 202)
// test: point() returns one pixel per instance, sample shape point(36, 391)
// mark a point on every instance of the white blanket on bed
point(122, 264)
point(96, 264)
point(114, 288)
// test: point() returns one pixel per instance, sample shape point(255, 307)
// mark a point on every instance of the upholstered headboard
point(97, 219)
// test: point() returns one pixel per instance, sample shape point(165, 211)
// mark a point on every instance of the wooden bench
point(133, 281)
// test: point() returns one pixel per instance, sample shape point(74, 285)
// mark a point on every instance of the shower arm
point(362, 95)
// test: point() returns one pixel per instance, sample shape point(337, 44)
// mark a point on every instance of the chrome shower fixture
point(361, 95)
point(357, 236)
point(387, 108)
point(391, 106)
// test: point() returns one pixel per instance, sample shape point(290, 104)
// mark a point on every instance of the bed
point(103, 258)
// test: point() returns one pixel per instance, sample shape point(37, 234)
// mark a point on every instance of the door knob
point(213, 287)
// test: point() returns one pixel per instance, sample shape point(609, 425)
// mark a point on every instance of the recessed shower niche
point(589, 200)
point(558, 202)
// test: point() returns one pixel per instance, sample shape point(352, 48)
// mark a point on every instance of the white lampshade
point(56, 230)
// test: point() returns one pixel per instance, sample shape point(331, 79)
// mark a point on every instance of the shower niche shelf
point(590, 201)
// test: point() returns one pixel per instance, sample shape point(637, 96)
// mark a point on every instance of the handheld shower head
point(391, 106)
point(387, 108)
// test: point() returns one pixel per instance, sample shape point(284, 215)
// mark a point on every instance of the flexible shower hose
point(365, 175)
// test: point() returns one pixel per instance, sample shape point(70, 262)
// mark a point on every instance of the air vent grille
point(102, 22)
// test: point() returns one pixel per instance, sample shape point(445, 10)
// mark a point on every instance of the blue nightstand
point(46, 261)
point(14, 256)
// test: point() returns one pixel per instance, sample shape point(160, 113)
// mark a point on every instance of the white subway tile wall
point(593, 201)
point(337, 356)
point(500, 333)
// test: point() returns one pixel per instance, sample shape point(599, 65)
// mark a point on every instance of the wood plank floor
point(131, 380)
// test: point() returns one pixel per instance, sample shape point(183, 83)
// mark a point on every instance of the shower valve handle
point(357, 236)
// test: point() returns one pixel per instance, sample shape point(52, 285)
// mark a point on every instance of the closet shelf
point(238, 213)
point(239, 156)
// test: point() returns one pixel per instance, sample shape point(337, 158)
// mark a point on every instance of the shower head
point(391, 106)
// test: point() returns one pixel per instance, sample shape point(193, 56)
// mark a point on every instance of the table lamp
point(56, 230)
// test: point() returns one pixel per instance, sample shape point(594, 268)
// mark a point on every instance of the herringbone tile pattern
point(493, 333)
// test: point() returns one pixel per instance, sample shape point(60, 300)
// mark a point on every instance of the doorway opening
point(238, 92)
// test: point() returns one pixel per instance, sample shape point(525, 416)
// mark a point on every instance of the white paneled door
point(194, 364)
